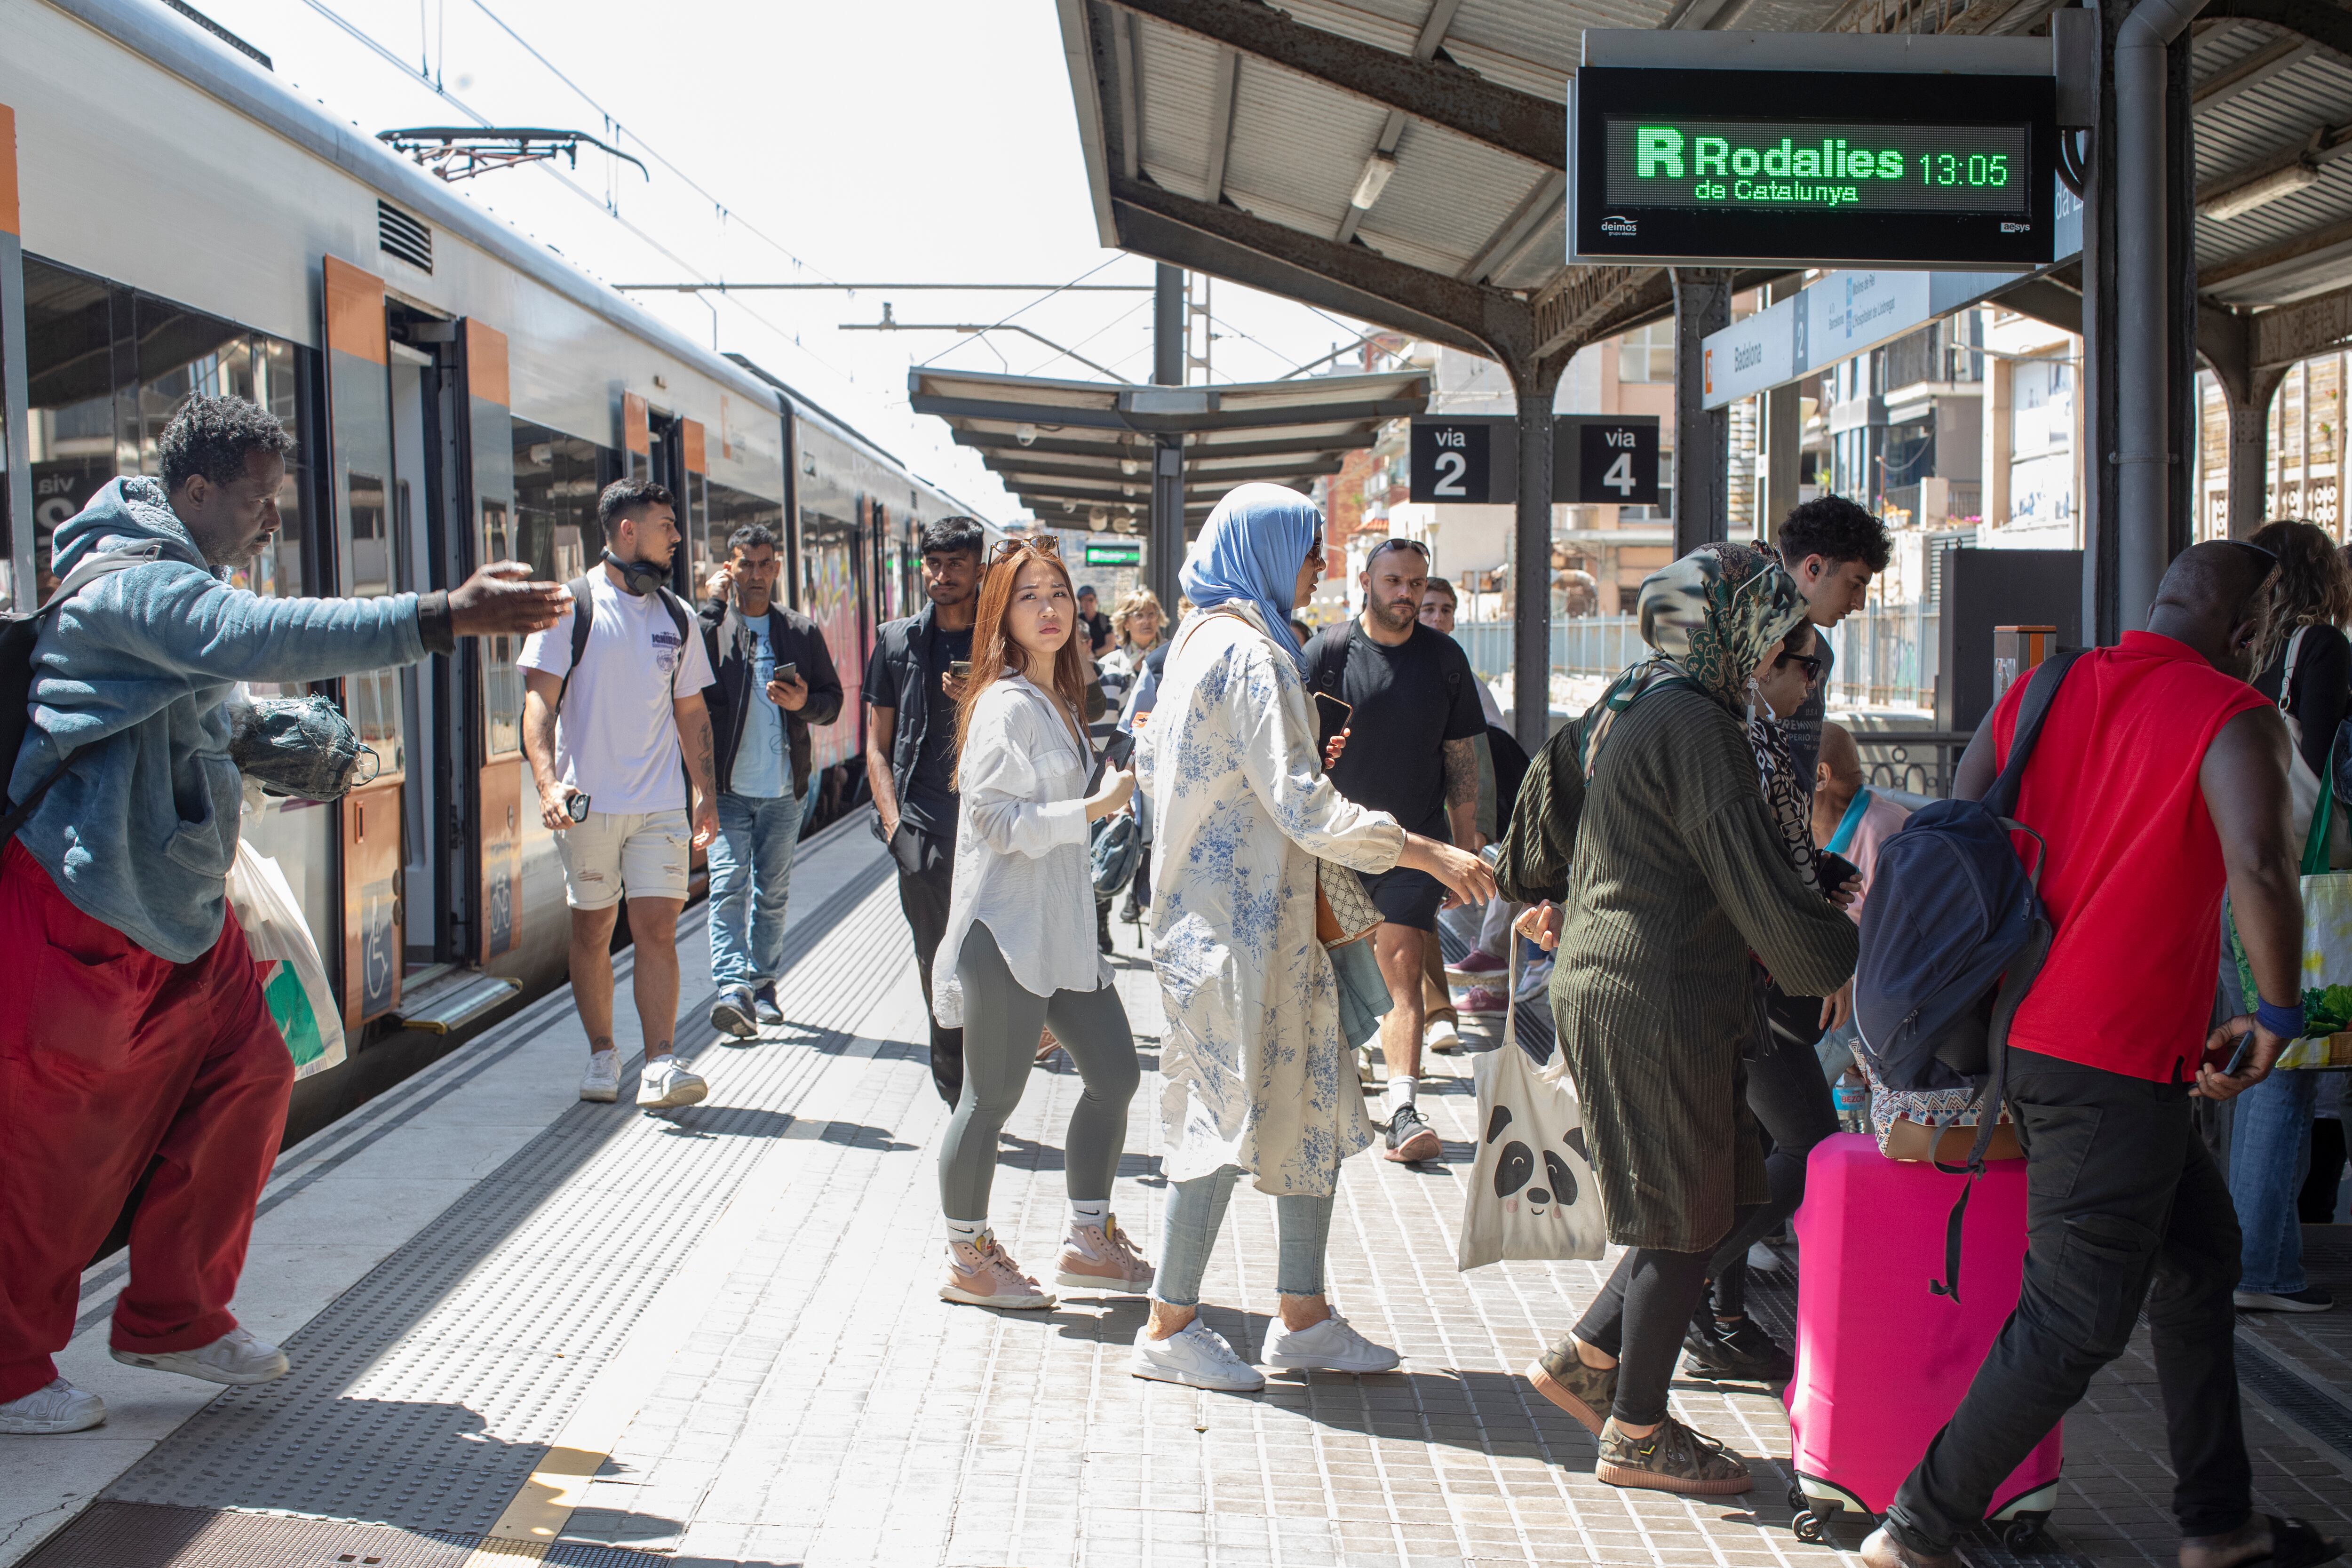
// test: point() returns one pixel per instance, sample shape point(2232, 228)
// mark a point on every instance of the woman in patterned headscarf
point(1679, 872)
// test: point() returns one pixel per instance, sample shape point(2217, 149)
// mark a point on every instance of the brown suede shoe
point(1673, 1458)
point(1880, 1550)
point(1584, 1392)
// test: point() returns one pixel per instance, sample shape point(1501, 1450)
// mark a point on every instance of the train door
point(360, 440)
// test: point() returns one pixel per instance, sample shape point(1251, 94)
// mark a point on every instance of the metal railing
point(1887, 654)
point(1918, 762)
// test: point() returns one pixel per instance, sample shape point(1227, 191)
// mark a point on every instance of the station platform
point(526, 1328)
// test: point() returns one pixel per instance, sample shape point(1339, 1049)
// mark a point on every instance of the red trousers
point(115, 1064)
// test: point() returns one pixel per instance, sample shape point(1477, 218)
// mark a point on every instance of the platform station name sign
point(1724, 150)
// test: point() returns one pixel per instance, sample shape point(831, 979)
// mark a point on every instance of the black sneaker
point(1411, 1141)
point(1739, 1350)
point(763, 1006)
point(1102, 926)
point(733, 1014)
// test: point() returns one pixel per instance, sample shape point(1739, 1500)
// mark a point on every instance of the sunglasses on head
point(1006, 549)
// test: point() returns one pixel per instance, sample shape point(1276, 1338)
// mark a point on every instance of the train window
point(731, 509)
point(502, 684)
point(375, 695)
point(108, 367)
point(556, 480)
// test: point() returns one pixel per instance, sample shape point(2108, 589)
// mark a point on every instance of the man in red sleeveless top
point(2161, 776)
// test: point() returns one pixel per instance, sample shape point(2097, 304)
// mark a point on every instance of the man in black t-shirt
point(1098, 624)
point(1411, 713)
point(910, 694)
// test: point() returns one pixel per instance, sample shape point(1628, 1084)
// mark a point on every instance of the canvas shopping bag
point(2326, 1039)
point(1531, 1192)
point(293, 978)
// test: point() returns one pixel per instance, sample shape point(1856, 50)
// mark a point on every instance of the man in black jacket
point(774, 680)
point(912, 683)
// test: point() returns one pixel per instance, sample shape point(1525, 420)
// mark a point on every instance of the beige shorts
point(643, 854)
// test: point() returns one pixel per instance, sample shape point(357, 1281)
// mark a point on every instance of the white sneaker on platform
point(237, 1358)
point(1331, 1345)
point(1195, 1355)
point(665, 1085)
point(59, 1407)
point(601, 1082)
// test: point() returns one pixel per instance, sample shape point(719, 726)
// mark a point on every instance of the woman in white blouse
point(1019, 951)
point(1258, 1080)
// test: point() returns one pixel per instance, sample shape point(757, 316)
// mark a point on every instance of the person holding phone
point(2159, 779)
point(772, 682)
point(1259, 1079)
point(911, 689)
point(1017, 955)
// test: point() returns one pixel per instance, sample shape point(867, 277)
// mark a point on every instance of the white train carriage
point(172, 218)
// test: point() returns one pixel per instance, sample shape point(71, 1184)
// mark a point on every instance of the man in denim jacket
point(136, 1035)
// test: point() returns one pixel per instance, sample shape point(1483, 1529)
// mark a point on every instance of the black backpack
point(1953, 934)
point(18, 634)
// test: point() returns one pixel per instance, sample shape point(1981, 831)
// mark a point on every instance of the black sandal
point(2294, 1544)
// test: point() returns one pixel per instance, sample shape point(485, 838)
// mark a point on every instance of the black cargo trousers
point(926, 866)
point(2124, 1205)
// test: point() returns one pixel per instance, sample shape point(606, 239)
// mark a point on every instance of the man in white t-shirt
point(603, 736)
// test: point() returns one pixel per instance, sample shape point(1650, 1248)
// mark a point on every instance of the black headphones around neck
point(638, 577)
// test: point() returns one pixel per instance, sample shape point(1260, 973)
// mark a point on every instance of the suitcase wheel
point(2020, 1532)
point(1809, 1527)
point(1797, 1502)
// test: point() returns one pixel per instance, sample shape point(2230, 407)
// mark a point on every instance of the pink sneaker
point(986, 1275)
point(1483, 1002)
point(1475, 966)
point(1103, 1258)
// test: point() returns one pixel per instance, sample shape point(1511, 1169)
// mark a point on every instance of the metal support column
point(1532, 387)
point(1784, 435)
point(1702, 466)
point(1164, 553)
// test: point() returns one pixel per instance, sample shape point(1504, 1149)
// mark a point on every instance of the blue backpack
point(1953, 934)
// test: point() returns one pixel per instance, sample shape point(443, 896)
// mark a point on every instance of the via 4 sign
point(1606, 459)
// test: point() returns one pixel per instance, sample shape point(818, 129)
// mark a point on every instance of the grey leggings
point(1001, 1021)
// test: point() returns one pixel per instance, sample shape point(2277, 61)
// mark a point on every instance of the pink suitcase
point(1882, 1360)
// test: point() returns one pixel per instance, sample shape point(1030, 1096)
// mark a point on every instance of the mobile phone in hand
point(787, 673)
point(1114, 754)
point(960, 668)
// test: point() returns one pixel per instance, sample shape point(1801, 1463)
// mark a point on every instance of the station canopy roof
point(1401, 161)
point(1070, 449)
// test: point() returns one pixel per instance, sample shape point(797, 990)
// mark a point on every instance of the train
point(174, 219)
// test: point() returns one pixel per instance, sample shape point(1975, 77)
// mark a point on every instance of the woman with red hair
point(1019, 951)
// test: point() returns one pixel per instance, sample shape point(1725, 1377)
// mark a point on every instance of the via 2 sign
point(1451, 461)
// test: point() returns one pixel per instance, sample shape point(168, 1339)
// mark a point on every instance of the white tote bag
point(293, 978)
point(1531, 1192)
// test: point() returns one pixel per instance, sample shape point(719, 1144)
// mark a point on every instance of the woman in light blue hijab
point(1260, 1080)
point(1253, 549)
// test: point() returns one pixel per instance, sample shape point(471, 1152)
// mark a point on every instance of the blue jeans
point(2270, 1148)
point(751, 882)
point(1196, 1210)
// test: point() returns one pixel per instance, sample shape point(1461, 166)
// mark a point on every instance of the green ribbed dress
point(1677, 875)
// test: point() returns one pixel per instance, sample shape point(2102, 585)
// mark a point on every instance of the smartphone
point(2238, 1057)
point(1114, 754)
point(960, 668)
point(577, 807)
point(787, 672)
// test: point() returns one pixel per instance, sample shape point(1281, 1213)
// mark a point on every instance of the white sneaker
point(237, 1358)
point(665, 1085)
point(1440, 1036)
point(1534, 980)
point(1330, 1346)
point(602, 1081)
point(1195, 1355)
point(59, 1407)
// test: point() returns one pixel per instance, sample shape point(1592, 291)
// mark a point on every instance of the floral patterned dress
point(1257, 1076)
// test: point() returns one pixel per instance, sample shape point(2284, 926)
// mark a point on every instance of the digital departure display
point(1671, 162)
point(1738, 167)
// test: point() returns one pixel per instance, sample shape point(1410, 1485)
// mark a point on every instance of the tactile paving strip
point(129, 1535)
point(424, 1396)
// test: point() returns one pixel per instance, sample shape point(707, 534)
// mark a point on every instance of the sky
point(872, 142)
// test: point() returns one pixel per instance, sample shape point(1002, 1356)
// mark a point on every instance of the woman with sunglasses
point(1787, 1094)
point(1017, 953)
point(1257, 1079)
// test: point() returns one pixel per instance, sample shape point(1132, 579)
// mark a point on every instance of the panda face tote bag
point(1531, 1193)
